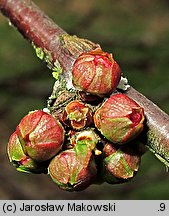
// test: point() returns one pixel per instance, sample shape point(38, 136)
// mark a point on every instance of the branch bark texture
point(60, 50)
point(156, 135)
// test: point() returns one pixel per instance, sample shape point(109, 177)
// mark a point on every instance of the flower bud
point(96, 72)
point(22, 162)
point(77, 115)
point(87, 138)
point(41, 135)
point(119, 119)
point(73, 170)
point(119, 164)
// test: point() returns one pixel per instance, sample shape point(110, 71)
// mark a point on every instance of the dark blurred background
point(137, 33)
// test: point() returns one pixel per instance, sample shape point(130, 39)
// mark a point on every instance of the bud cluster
point(87, 139)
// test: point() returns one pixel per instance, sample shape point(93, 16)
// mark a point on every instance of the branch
point(60, 50)
point(57, 46)
point(157, 130)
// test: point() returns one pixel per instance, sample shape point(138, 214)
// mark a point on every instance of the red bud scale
point(96, 72)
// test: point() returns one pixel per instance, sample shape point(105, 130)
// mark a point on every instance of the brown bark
point(38, 28)
point(156, 135)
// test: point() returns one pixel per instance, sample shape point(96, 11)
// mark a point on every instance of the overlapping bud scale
point(86, 139)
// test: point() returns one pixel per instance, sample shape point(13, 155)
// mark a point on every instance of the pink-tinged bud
point(77, 115)
point(72, 172)
point(96, 72)
point(75, 169)
point(120, 119)
point(22, 162)
point(41, 135)
point(120, 164)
